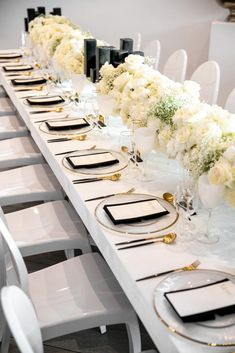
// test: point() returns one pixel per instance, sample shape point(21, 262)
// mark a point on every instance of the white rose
point(183, 134)
point(208, 130)
point(229, 154)
point(220, 173)
point(134, 62)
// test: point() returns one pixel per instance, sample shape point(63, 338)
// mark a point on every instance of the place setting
point(139, 217)
point(68, 127)
point(97, 164)
point(198, 305)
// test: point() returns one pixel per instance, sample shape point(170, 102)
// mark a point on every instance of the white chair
point(19, 151)
point(31, 183)
point(12, 126)
point(73, 295)
point(24, 328)
point(2, 92)
point(208, 77)
point(47, 227)
point(176, 65)
point(230, 102)
point(6, 106)
point(153, 50)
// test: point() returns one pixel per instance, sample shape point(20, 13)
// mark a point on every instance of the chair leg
point(69, 253)
point(103, 329)
point(133, 332)
point(5, 339)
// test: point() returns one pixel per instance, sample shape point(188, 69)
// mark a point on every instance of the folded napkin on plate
point(10, 55)
point(45, 100)
point(203, 302)
point(28, 81)
point(9, 68)
point(135, 211)
point(67, 124)
point(92, 160)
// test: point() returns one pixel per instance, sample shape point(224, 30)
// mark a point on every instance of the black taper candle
point(102, 56)
point(122, 54)
point(89, 55)
point(113, 55)
point(41, 10)
point(26, 24)
point(126, 44)
point(93, 75)
point(141, 53)
point(57, 11)
point(31, 13)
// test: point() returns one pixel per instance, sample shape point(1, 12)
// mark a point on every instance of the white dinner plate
point(219, 332)
point(147, 227)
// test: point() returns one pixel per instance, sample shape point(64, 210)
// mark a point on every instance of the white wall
point(176, 23)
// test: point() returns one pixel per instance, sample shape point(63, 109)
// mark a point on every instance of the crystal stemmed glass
point(185, 201)
point(144, 139)
point(210, 196)
point(106, 106)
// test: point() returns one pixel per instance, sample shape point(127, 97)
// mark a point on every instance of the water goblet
point(210, 196)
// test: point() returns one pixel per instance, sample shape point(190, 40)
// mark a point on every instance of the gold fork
point(193, 266)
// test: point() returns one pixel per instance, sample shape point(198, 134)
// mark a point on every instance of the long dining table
point(131, 264)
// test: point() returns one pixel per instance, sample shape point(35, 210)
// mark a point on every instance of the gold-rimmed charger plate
point(43, 127)
point(215, 333)
point(98, 171)
point(146, 227)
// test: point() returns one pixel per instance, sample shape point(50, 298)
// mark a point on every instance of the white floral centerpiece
point(46, 32)
point(200, 136)
point(134, 86)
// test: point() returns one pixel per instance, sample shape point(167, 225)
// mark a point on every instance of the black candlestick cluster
point(40, 10)
point(95, 57)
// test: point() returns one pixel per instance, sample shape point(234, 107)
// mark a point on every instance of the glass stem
point(145, 166)
point(208, 223)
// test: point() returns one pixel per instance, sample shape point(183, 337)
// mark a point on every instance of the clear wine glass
point(144, 139)
point(106, 106)
point(185, 200)
point(210, 196)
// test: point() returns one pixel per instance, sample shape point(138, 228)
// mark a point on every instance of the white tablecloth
point(131, 264)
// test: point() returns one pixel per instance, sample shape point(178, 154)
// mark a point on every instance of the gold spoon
point(167, 239)
point(124, 149)
point(56, 110)
point(168, 197)
point(114, 177)
point(79, 137)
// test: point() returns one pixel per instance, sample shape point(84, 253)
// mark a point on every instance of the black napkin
point(147, 214)
point(202, 315)
point(10, 68)
point(28, 81)
point(9, 56)
point(74, 160)
point(47, 101)
point(78, 124)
